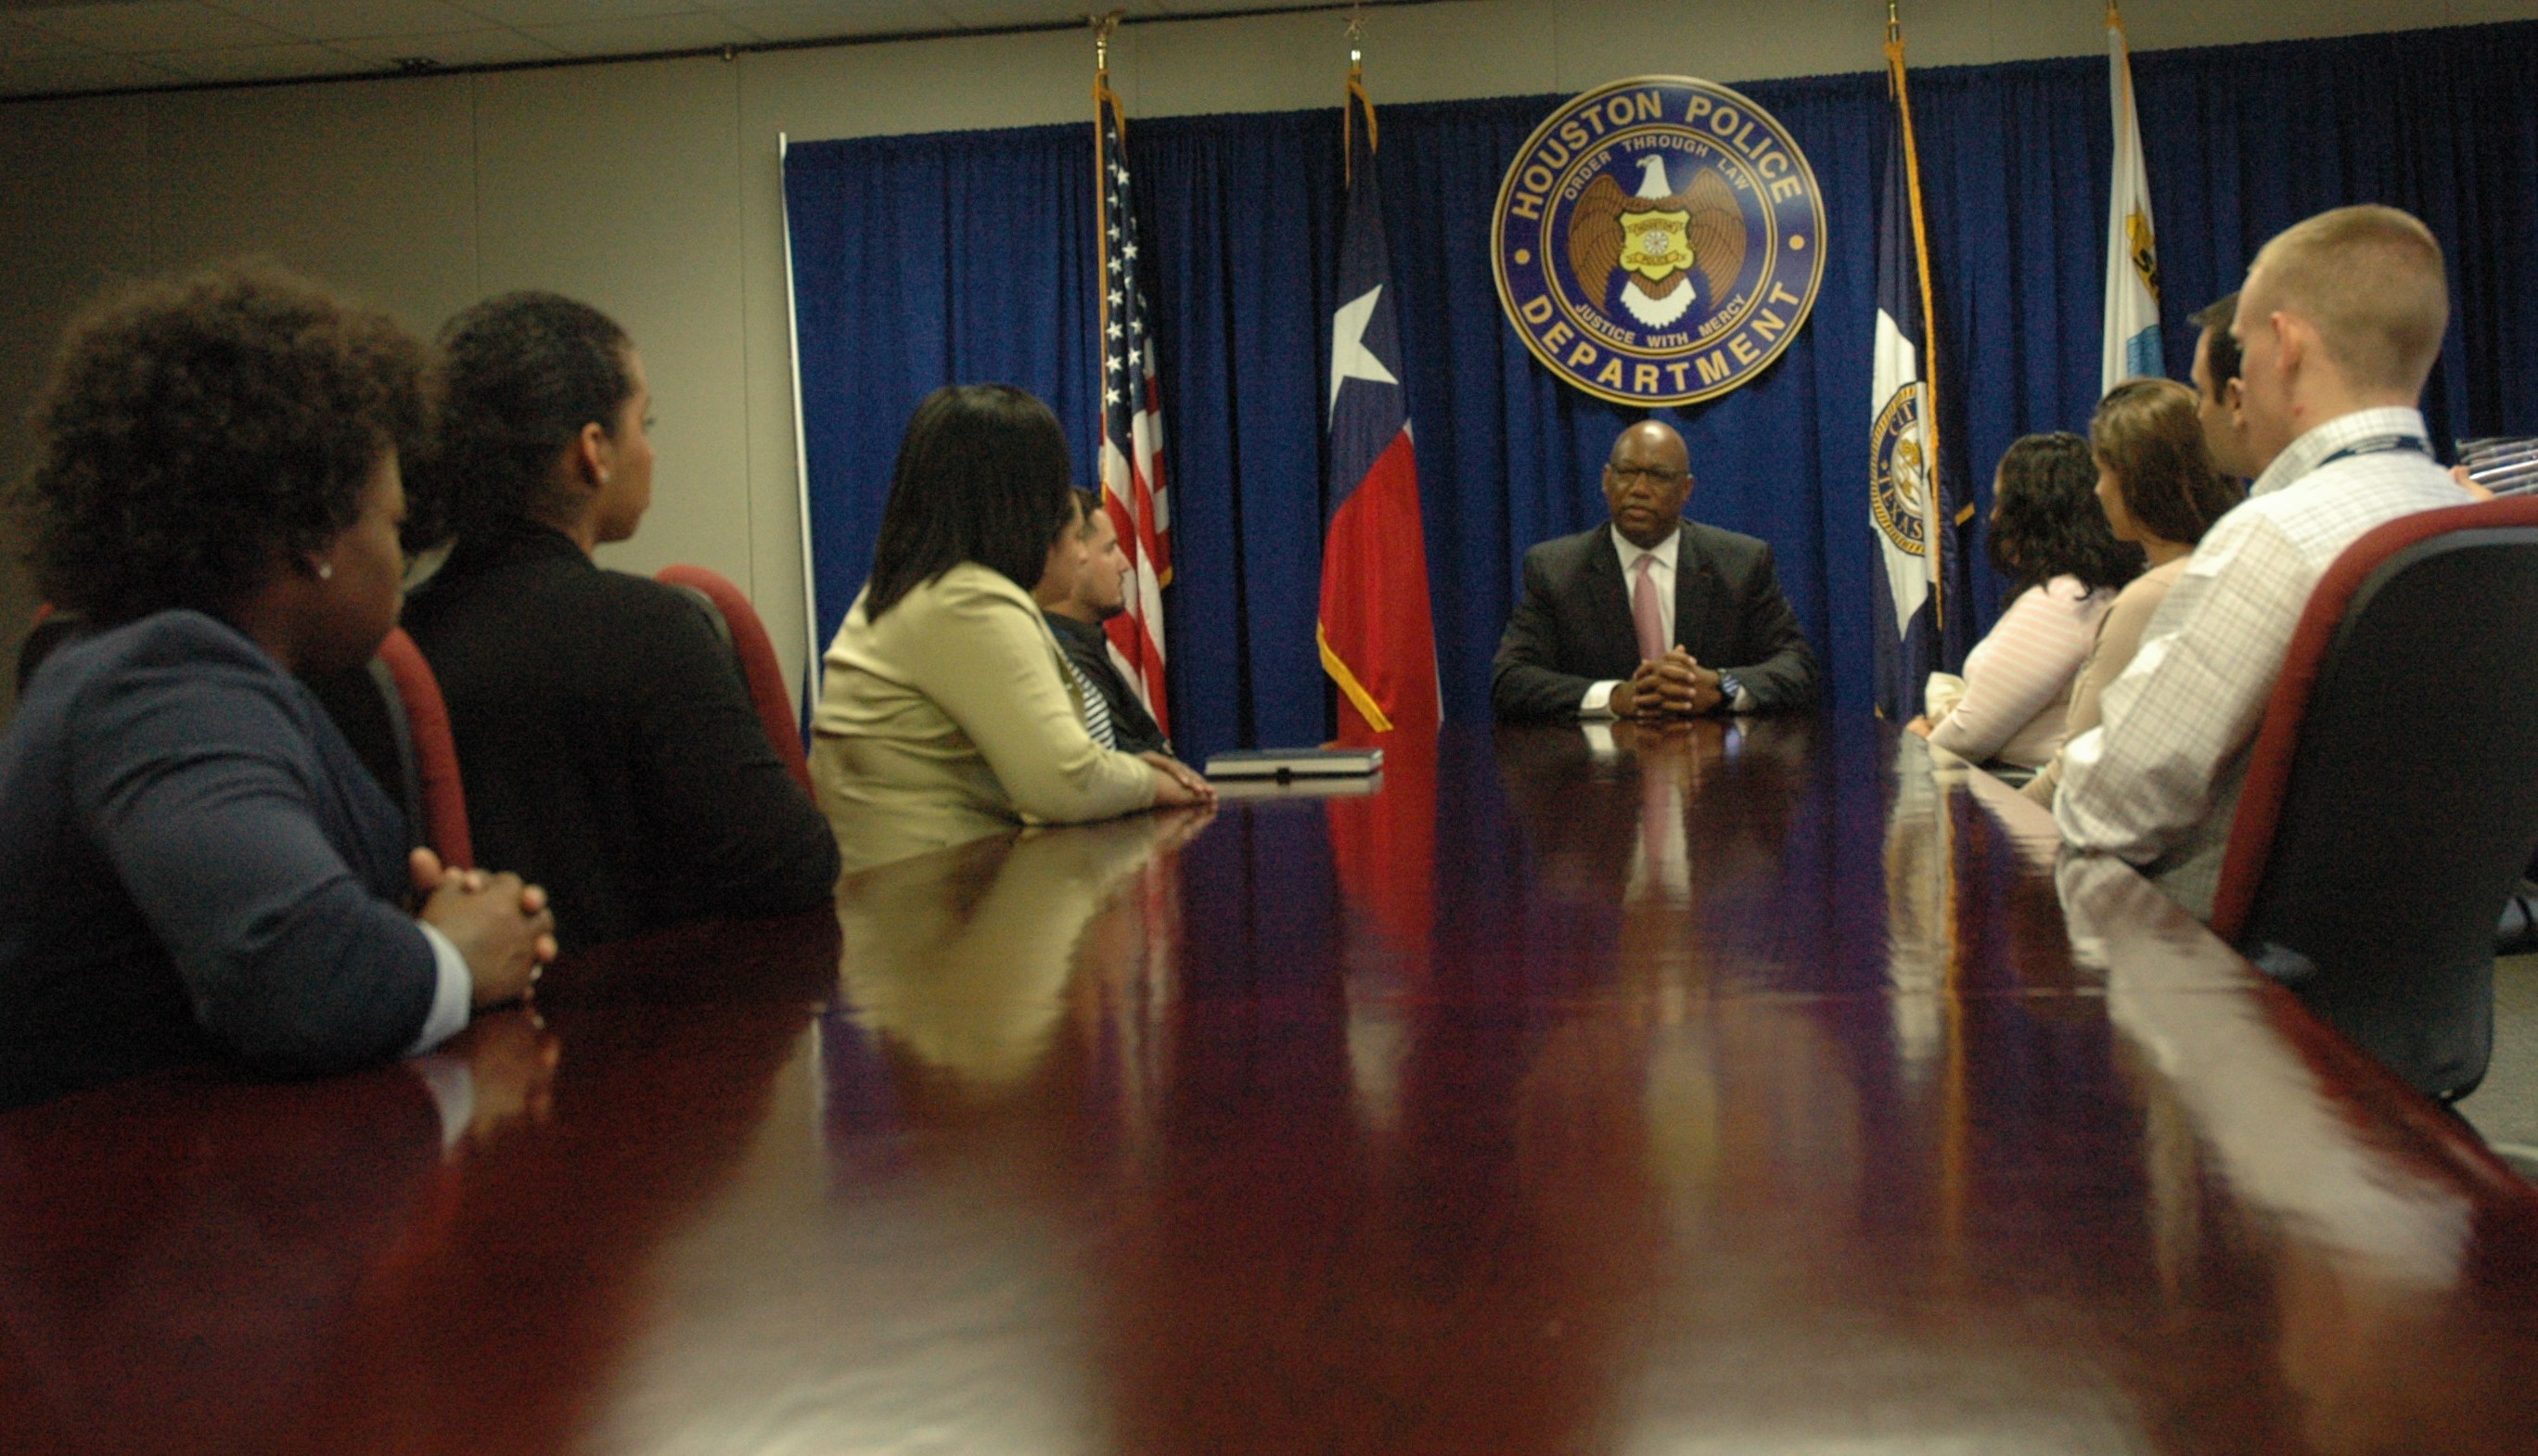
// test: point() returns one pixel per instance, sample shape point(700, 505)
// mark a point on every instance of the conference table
point(1753, 1086)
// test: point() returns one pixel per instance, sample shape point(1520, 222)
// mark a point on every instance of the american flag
point(1132, 419)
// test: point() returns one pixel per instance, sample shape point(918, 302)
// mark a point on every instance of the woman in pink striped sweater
point(2047, 534)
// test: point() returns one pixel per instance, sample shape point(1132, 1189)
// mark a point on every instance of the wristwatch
point(1728, 691)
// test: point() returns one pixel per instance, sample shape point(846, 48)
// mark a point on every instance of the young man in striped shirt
point(1112, 711)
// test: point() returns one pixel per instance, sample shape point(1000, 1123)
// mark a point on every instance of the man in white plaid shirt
point(2338, 326)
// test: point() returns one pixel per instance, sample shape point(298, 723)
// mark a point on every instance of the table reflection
point(962, 961)
point(1726, 1086)
point(2368, 1227)
point(208, 1242)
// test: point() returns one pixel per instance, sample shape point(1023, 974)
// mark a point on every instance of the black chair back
point(2411, 805)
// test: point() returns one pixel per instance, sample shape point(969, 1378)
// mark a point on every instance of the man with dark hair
point(1100, 594)
point(1652, 616)
point(2217, 390)
point(2338, 327)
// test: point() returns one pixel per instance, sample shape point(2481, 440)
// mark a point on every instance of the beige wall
point(652, 188)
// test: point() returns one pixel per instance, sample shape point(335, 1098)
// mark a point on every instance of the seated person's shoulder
point(2253, 528)
point(967, 593)
point(175, 650)
point(641, 634)
point(174, 682)
point(1734, 545)
point(644, 601)
point(1565, 553)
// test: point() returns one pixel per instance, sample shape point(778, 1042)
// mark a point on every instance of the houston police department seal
point(1658, 240)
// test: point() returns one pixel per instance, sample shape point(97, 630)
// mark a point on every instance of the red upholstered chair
point(49, 630)
point(436, 753)
point(2391, 798)
point(758, 666)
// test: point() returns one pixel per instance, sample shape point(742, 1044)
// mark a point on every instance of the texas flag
point(1376, 638)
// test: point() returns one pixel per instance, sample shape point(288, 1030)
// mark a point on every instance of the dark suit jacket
point(1088, 648)
point(1573, 629)
point(608, 745)
point(193, 863)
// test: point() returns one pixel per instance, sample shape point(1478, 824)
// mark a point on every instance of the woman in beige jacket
point(2160, 489)
point(946, 711)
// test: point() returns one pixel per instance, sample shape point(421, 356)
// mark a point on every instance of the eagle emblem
point(1658, 240)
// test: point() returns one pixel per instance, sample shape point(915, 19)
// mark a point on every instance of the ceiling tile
point(261, 63)
point(464, 49)
point(162, 24)
point(49, 75)
point(525, 13)
point(350, 20)
point(639, 35)
point(820, 19)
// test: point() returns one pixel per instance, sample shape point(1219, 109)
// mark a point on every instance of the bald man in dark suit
point(1651, 616)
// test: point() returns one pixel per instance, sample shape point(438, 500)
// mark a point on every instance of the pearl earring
point(325, 570)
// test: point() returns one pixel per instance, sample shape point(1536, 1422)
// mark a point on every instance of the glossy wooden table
point(1732, 1090)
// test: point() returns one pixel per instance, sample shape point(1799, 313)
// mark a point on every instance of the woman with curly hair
point(2159, 490)
point(192, 861)
point(606, 739)
point(2047, 535)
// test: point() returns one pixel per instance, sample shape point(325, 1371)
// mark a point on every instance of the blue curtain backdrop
point(925, 260)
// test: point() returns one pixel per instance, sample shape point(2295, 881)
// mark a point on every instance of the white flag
point(2132, 255)
point(1908, 510)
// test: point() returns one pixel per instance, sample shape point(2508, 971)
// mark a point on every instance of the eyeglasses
point(1662, 476)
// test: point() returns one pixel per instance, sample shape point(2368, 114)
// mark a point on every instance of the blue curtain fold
point(927, 260)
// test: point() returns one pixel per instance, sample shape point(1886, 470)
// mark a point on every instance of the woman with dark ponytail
point(603, 731)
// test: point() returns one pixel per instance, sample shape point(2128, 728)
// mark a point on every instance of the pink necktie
point(1644, 613)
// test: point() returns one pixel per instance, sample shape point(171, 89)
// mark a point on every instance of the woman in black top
point(603, 729)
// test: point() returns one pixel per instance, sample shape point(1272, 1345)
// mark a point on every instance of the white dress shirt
point(454, 992)
point(2157, 782)
point(1598, 702)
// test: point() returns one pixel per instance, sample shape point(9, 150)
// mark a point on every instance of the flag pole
point(1334, 666)
point(1355, 98)
point(1934, 514)
point(1104, 26)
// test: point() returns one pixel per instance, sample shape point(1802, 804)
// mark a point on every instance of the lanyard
point(2377, 444)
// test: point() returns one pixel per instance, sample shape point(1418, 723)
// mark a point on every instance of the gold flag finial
point(1103, 26)
point(1894, 22)
point(1355, 97)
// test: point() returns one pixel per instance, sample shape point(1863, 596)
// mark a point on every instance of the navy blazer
point(192, 863)
point(1571, 628)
